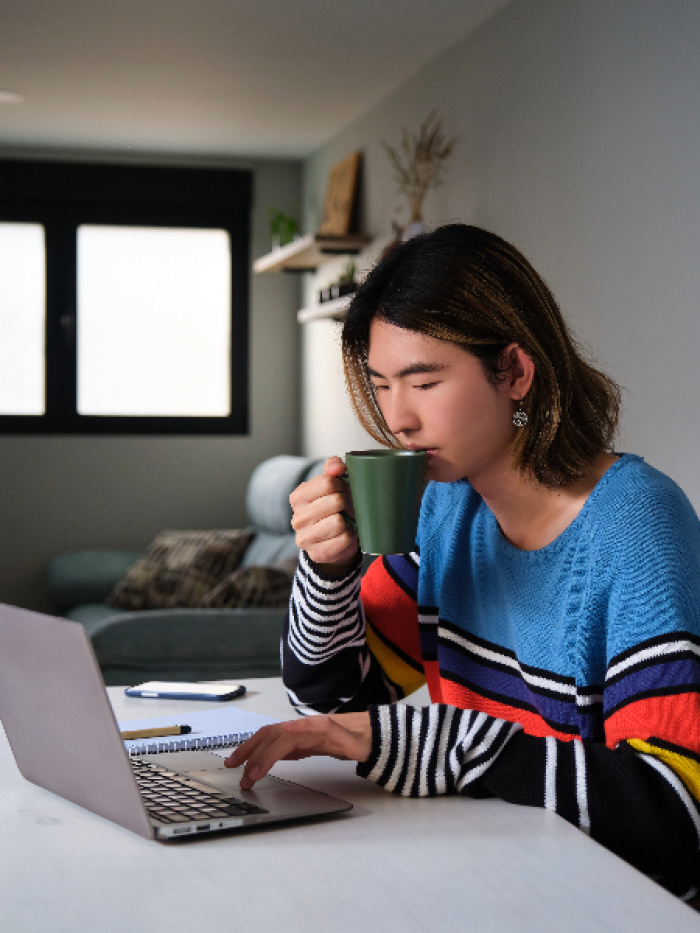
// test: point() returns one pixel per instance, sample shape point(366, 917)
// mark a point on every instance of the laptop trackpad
point(206, 767)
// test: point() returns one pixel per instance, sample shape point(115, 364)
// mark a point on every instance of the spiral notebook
point(61, 728)
point(210, 729)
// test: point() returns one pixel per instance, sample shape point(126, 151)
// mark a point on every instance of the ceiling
point(214, 78)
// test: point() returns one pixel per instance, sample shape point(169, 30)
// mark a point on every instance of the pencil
point(156, 732)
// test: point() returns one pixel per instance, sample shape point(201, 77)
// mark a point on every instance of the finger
point(309, 513)
point(262, 740)
point(283, 741)
point(324, 529)
point(320, 520)
point(326, 546)
point(244, 750)
point(347, 736)
point(316, 488)
point(279, 746)
point(334, 466)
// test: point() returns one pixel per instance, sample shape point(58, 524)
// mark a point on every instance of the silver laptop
point(64, 737)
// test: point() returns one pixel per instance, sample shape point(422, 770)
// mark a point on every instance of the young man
point(552, 603)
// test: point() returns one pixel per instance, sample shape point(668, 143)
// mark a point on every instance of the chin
point(442, 473)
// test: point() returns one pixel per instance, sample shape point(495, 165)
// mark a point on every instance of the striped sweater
point(566, 678)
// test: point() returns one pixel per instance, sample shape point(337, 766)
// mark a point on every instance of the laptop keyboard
point(174, 798)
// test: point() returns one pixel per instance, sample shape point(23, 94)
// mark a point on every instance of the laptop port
point(201, 829)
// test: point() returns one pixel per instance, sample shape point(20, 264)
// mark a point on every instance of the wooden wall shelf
point(307, 253)
point(331, 310)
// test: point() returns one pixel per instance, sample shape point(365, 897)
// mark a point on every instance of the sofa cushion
point(267, 497)
point(266, 549)
point(179, 569)
point(188, 644)
point(267, 587)
point(92, 615)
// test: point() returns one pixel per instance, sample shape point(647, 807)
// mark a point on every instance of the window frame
point(63, 196)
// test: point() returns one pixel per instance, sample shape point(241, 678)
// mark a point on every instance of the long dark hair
point(463, 284)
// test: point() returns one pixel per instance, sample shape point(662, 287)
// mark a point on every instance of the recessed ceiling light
point(10, 97)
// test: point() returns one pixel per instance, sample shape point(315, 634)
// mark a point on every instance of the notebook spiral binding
point(191, 743)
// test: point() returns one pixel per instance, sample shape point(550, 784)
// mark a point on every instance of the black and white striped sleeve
point(638, 810)
point(326, 665)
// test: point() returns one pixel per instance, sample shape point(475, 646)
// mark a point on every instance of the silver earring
point(520, 416)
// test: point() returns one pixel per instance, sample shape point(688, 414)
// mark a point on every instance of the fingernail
point(247, 780)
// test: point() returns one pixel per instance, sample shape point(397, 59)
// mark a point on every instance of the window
point(22, 319)
point(153, 304)
point(123, 299)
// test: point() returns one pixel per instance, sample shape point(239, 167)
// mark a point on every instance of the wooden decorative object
point(340, 197)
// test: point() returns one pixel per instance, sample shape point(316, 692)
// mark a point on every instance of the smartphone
point(186, 691)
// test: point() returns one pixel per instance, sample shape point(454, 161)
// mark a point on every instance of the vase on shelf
point(416, 225)
point(415, 228)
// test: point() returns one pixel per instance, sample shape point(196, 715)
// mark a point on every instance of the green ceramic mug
point(387, 487)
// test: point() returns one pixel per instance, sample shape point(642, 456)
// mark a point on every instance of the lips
point(430, 451)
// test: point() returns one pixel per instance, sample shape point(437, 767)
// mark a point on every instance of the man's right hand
point(320, 527)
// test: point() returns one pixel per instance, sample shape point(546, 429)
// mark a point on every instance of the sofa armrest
point(78, 577)
point(192, 644)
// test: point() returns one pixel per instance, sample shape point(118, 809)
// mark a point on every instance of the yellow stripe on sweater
point(396, 669)
point(686, 768)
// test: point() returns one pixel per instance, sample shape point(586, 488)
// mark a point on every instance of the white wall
point(64, 493)
point(579, 140)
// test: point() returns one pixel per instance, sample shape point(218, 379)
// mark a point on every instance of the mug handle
point(349, 520)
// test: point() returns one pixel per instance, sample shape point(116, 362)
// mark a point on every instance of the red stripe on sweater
point(674, 719)
point(392, 613)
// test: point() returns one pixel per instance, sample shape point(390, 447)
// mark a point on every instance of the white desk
point(390, 865)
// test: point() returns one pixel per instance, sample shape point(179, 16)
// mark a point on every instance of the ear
point(519, 371)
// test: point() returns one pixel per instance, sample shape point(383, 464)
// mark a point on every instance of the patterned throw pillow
point(180, 568)
point(262, 587)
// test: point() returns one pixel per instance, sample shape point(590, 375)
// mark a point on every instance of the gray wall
point(64, 493)
point(579, 140)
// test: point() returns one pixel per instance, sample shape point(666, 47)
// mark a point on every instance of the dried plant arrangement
point(420, 163)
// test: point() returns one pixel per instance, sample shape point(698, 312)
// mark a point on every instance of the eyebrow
point(411, 370)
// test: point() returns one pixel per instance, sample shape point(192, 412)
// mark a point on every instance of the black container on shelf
point(338, 290)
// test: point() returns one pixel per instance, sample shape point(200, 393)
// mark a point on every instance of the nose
point(400, 416)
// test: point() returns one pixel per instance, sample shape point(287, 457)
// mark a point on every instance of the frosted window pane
point(154, 322)
point(22, 319)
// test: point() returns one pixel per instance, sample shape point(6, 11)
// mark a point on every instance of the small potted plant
point(345, 285)
point(283, 228)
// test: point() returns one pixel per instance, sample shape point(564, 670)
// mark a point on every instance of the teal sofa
point(186, 644)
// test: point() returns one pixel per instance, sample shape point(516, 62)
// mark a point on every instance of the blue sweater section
point(624, 572)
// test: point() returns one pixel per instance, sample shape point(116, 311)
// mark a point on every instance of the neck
point(531, 515)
